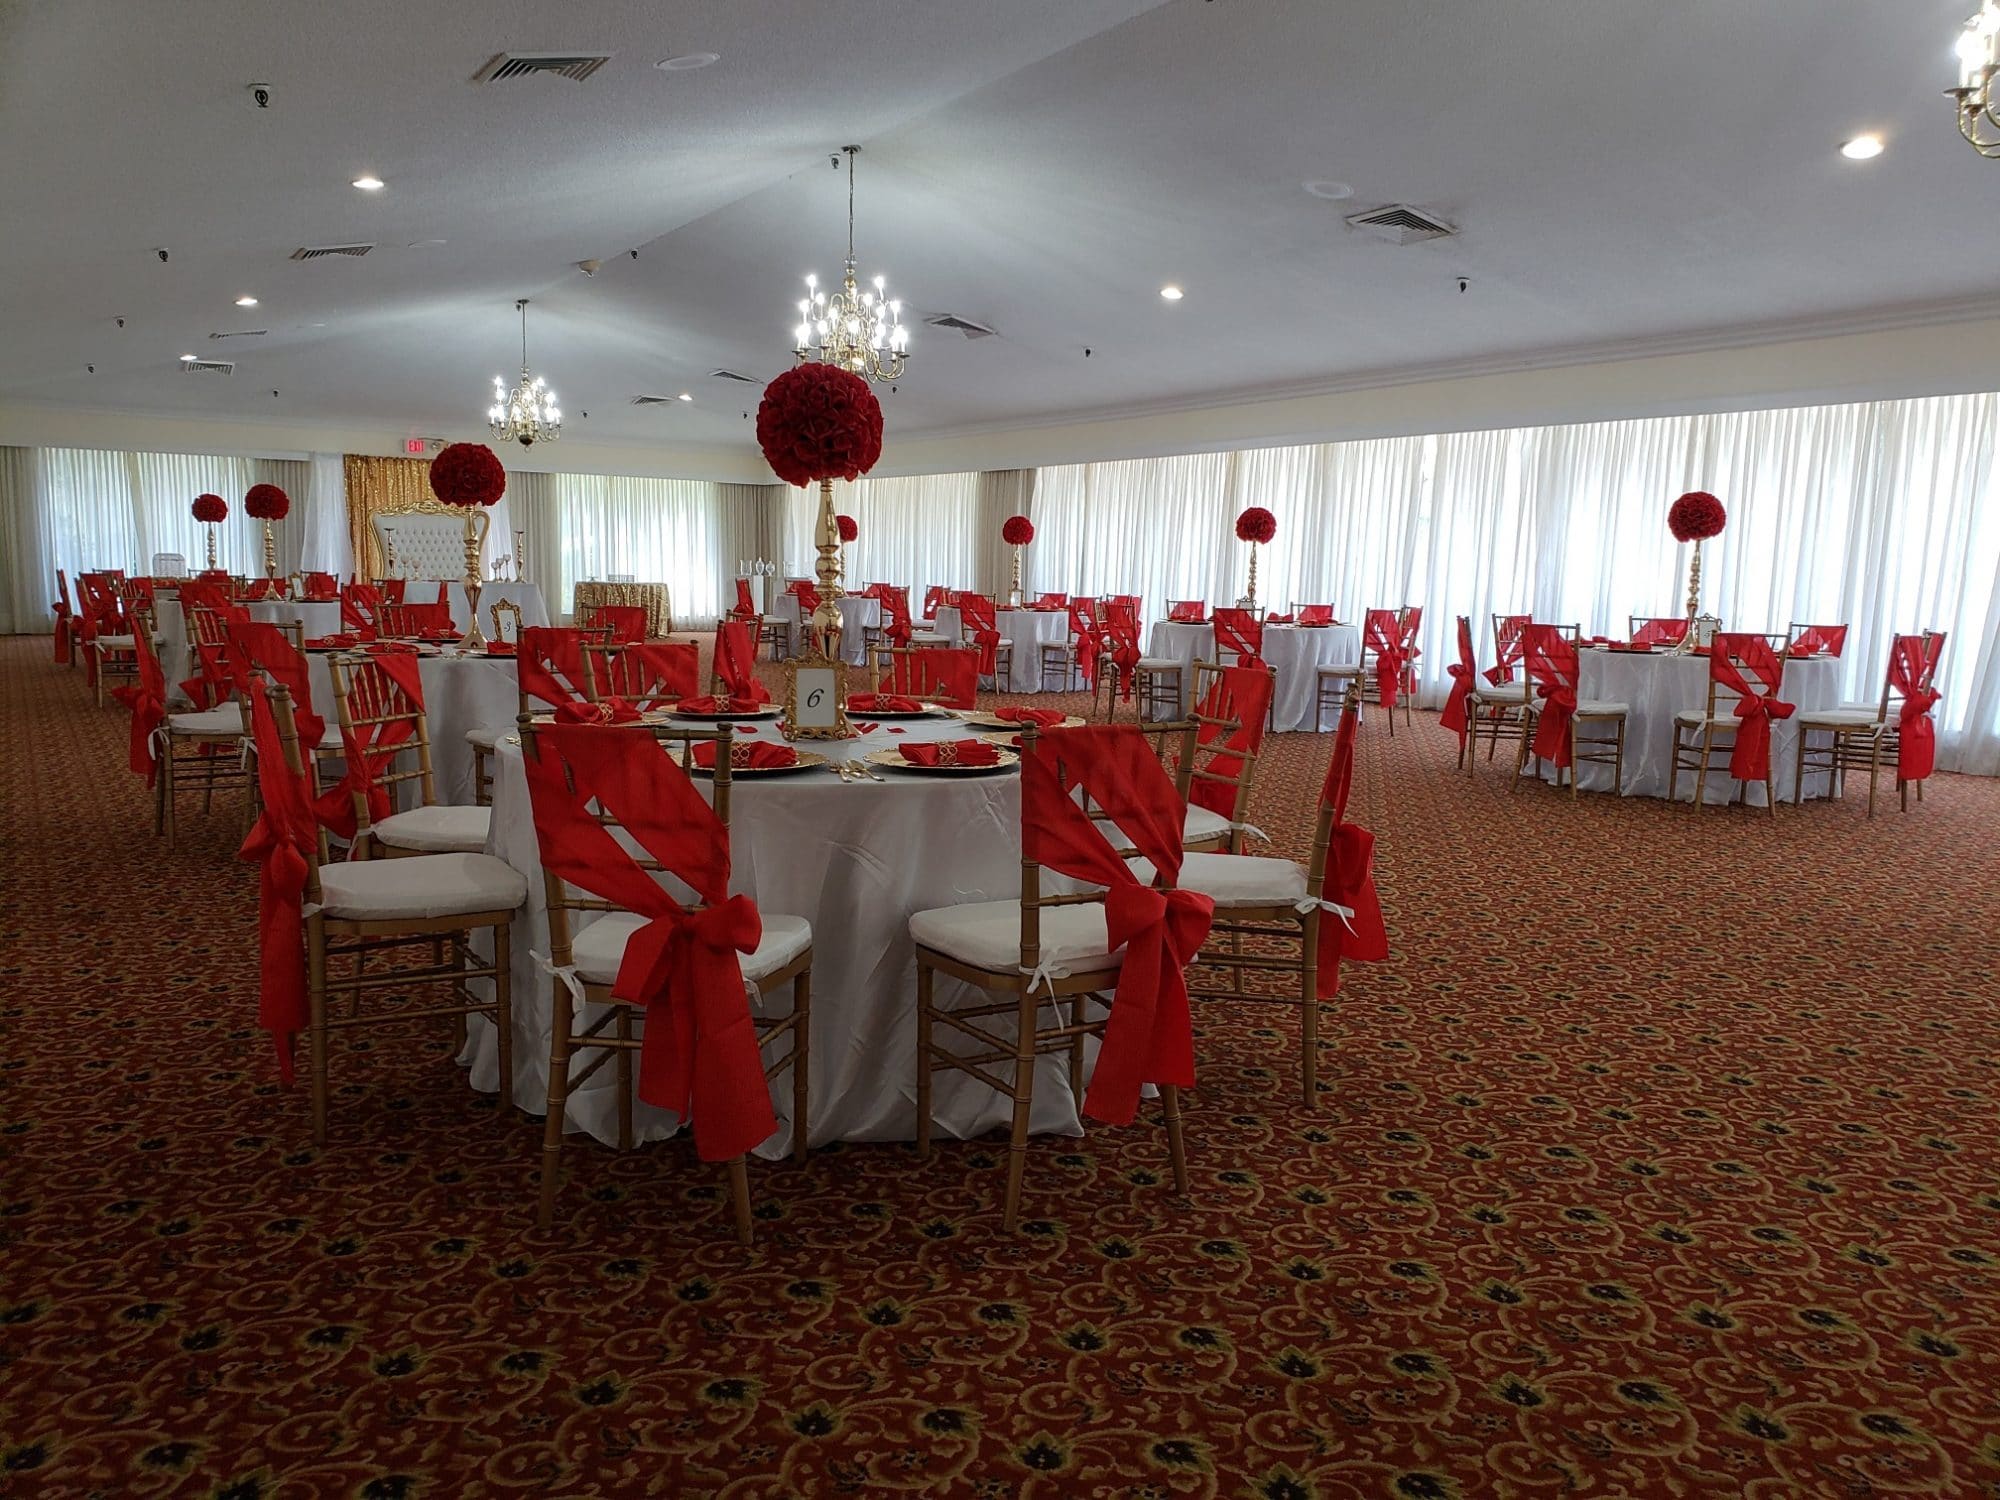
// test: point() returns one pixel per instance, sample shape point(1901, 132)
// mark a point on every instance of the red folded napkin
point(883, 703)
point(389, 648)
point(438, 635)
point(612, 710)
point(1041, 718)
point(951, 753)
point(502, 648)
point(754, 757)
point(1277, 619)
point(722, 705)
point(336, 642)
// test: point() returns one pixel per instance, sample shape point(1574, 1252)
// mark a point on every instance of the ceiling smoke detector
point(1400, 224)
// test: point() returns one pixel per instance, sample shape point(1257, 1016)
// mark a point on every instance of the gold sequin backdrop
point(378, 486)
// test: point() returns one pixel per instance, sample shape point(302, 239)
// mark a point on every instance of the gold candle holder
point(270, 553)
point(211, 549)
point(1014, 593)
point(826, 618)
point(1251, 593)
point(476, 524)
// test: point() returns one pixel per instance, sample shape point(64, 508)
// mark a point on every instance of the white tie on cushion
point(436, 830)
point(424, 885)
point(1234, 879)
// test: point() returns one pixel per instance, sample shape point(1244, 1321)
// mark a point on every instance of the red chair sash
point(807, 595)
point(948, 675)
point(1349, 880)
point(1241, 693)
point(262, 646)
point(896, 605)
point(627, 622)
point(1121, 628)
point(1315, 614)
point(735, 650)
point(1088, 635)
point(1238, 631)
point(648, 673)
point(1507, 648)
point(359, 605)
point(1187, 612)
point(549, 662)
point(1831, 639)
point(1916, 732)
point(370, 749)
point(1750, 760)
point(1550, 657)
point(146, 696)
point(1382, 634)
point(976, 614)
point(1660, 632)
point(279, 845)
point(1150, 1035)
point(698, 1056)
point(934, 596)
point(1463, 672)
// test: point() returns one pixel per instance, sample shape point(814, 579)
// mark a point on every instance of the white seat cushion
point(424, 885)
point(1234, 879)
point(1842, 718)
point(987, 935)
point(600, 948)
point(226, 720)
point(1200, 823)
point(436, 830)
point(484, 738)
point(1501, 692)
point(1159, 664)
point(1605, 708)
point(1335, 670)
point(1694, 718)
point(117, 643)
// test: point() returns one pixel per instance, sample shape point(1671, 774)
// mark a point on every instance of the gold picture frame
point(506, 610)
point(815, 698)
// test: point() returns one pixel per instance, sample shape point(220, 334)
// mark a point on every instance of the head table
point(1655, 686)
point(856, 860)
point(1295, 654)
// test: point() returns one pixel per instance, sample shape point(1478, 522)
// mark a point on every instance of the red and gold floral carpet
point(1662, 1159)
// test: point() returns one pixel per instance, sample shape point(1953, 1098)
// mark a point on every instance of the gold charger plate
point(994, 721)
point(768, 711)
point(807, 761)
point(892, 760)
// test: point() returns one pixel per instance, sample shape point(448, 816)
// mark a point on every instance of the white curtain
point(1883, 516)
point(658, 530)
point(325, 546)
point(106, 509)
point(914, 532)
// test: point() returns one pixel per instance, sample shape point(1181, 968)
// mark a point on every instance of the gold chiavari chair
point(1702, 733)
point(1501, 709)
point(1550, 655)
point(375, 713)
point(1045, 952)
point(118, 652)
point(587, 938)
point(358, 909)
point(485, 738)
point(925, 673)
point(1216, 723)
point(211, 738)
point(1861, 737)
point(656, 674)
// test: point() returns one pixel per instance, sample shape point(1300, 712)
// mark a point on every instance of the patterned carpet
point(1662, 1159)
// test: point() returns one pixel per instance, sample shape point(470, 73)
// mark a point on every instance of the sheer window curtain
point(667, 531)
point(914, 532)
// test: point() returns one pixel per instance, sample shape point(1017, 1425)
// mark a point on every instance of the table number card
point(815, 699)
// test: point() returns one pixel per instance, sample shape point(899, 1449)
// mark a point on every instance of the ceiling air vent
point(957, 324)
point(1400, 224)
point(242, 333)
point(315, 252)
point(656, 401)
point(731, 375)
point(209, 366)
point(574, 66)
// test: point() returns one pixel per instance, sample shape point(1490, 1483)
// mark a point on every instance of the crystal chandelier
point(1978, 62)
point(855, 330)
point(528, 414)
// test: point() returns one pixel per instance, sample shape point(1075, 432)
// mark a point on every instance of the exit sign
point(413, 445)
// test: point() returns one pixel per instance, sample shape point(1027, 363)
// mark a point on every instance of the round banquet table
point(856, 615)
point(1028, 629)
point(1294, 652)
point(856, 860)
point(316, 617)
point(1655, 686)
point(461, 692)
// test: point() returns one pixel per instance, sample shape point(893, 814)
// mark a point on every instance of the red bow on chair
point(1383, 636)
point(1089, 638)
point(1916, 733)
point(1355, 930)
point(278, 845)
point(147, 698)
point(1750, 760)
point(1150, 1035)
point(699, 1055)
point(1463, 672)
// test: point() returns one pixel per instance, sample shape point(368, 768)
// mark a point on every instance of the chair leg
point(1170, 1098)
point(926, 987)
point(561, 1019)
point(1574, 768)
point(801, 1063)
point(316, 1023)
point(1618, 766)
point(624, 1064)
point(163, 794)
point(1024, 1094)
point(1701, 775)
point(739, 1195)
point(503, 1011)
point(1674, 769)
point(1799, 768)
point(1874, 769)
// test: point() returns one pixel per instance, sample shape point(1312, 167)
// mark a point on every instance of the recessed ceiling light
point(369, 184)
point(246, 301)
point(686, 397)
point(1330, 190)
point(687, 62)
point(1862, 148)
point(1171, 293)
point(187, 359)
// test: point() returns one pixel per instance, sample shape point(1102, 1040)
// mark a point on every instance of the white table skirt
point(1027, 629)
point(1295, 654)
point(317, 618)
point(856, 861)
point(171, 642)
point(1656, 686)
point(856, 615)
point(460, 693)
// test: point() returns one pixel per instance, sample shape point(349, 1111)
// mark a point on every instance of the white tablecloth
point(1028, 629)
point(1295, 654)
point(856, 861)
point(460, 693)
point(317, 618)
point(856, 614)
point(1656, 686)
point(170, 641)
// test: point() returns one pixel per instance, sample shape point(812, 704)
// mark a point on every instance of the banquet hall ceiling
point(1620, 174)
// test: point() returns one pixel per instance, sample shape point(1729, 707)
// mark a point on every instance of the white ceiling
point(1621, 172)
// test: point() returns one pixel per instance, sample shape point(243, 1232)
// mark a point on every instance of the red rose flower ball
point(1018, 532)
point(816, 422)
point(1695, 516)
point(848, 527)
point(210, 509)
point(467, 474)
point(1256, 525)
point(267, 502)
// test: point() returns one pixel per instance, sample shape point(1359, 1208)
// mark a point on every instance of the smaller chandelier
point(528, 414)
point(1978, 63)
point(855, 330)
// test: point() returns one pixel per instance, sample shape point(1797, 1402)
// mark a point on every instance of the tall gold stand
point(1014, 593)
point(476, 523)
point(270, 553)
point(826, 618)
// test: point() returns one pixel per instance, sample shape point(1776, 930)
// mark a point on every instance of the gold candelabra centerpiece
point(1978, 64)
